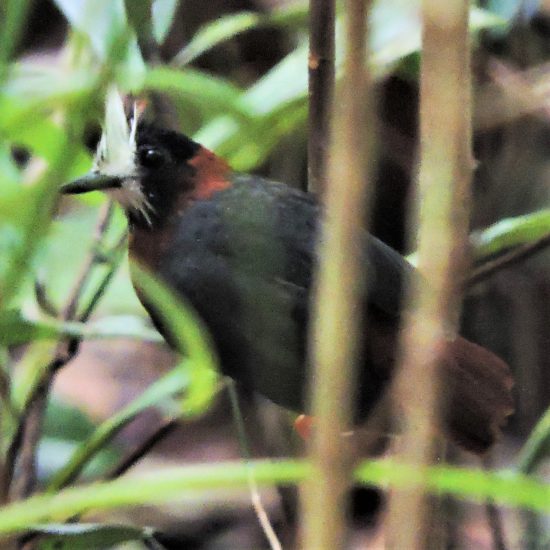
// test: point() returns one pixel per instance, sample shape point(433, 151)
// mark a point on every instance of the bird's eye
point(151, 157)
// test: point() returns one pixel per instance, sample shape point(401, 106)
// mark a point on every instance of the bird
point(242, 251)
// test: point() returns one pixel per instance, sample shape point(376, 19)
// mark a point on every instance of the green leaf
point(276, 103)
point(216, 32)
point(57, 268)
point(10, 175)
point(22, 125)
point(104, 23)
point(286, 82)
point(64, 421)
point(34, 214)
point(16, 329)
point(54, 452)
point(158, 394)
point(247, 146)
point(13, 15)
point(503, 487)
point(485, 19)
point(209, 94)
point(139, 16)
point(510, 232)
point(537, 447)
point(228, 26)
point(37, 86)
point(188, 335)
point(164, 12)
point(86, 536)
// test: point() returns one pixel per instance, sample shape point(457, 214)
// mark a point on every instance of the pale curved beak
point(91, 182)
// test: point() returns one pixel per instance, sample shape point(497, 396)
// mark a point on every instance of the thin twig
point(69, 311)
point(22, 450)
point(132, 458)
point(5, 386)
point(493, 516)
point(43, 300)
point(321, 89)
point(261, 513)
point(336, 328)
point(507, 259)
point(116, 257)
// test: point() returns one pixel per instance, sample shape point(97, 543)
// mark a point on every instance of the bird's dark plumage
point(242, 250)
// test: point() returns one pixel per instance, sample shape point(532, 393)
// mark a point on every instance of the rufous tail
point(476, 387)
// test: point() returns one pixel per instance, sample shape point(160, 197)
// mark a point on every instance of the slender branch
point(116, 257)
point(507, 259)
point(43, 300)
point(495, 525)
point(69, 311)
point(132, 458)
point(321, 88)
point(493, 517)
point(336, 320)
point(22, 450)
point(444, 188)
point(261, 513)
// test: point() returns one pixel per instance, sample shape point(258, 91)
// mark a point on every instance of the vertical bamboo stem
point(444, 188)
point(336, 319)
point(321, 88)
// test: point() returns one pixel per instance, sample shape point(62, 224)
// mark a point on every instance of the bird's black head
point(144, 168)
point(163, 169)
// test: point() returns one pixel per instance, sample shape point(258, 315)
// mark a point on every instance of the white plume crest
point(116, 154)
point(116, 151)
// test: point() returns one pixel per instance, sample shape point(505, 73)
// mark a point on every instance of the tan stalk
point(340, 279)
point(444, 192)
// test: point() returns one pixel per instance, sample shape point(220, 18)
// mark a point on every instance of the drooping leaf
point(510, 232)
point(190, 337)
point(226, 27)
point(216, 32)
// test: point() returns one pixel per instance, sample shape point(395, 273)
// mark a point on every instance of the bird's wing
point(295, 224)
point(270, 230)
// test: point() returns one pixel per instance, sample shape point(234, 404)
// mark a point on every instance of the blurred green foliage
point(45, 108)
